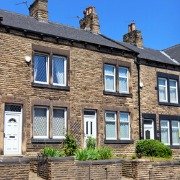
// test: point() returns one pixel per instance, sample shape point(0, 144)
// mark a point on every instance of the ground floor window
point(170, 132)
point(117, 125)
point(49, 125)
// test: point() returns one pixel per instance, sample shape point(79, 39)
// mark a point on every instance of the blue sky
point(159, 20)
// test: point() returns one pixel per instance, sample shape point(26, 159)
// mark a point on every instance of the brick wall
point(86, 90)
point(67, 168)
point(14, 168)
point(143, 169)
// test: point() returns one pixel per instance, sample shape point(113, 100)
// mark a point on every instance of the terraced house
point(57, 79)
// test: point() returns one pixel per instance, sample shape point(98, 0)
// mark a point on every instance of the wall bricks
point(14, 168)
point(67, 168)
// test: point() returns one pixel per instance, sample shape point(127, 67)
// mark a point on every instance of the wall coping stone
point(59, 159)
point(99, 162)
point(14, 160)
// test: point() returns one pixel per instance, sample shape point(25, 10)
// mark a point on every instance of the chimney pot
point(90, 21)
point(133, 36)
point(39, 10)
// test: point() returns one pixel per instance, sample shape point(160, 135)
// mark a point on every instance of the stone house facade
point(57, 79)
point(159, 90)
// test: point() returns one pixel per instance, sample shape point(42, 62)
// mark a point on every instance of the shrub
point(94, 154)
point(105, 153)
point(52, 152)
point(81, 155)
point(70, 145)
point(152, 148)
point(91, 143)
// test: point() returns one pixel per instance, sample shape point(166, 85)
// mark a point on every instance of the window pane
point(175, 133)
point(110, 116)
point(109, 83)
point(162, 93)
point(173, 91)
point(124, 126)
point(109, 70)
point(110, 130)
point(164, 132)
point(162, 82)
point(59, 76)
point(40, 122)
point(123, 85)
point(124, 130)
point(40, 68)
point(172, 83)
point(59, 122)
point(123, 72)
point(173, 95)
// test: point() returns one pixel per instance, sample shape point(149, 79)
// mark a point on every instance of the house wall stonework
point(149, 96)
point(86, 89)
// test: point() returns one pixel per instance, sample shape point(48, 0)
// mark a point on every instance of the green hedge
point(152, 148)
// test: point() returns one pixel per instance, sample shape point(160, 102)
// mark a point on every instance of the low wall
point(68, 168)
point(14, 168)
point(144, 169)
point(101, 170)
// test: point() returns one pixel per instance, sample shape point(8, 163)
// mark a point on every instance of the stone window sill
point(47, 141)
point(118, 141)
point(169, 104)
point(117, 94)
point(62, 88)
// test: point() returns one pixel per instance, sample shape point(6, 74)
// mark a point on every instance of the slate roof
point(154, 55)
point(174, 52)
point(29, 23)
point(168, 56)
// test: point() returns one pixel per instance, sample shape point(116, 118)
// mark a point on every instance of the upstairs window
point(163, 96)
point(59, 70)
point(123, 80)
point(110, 78)
point(116, 83)
point(168, 88)
point(173, 89)
point(41, 68)
point(50, 70)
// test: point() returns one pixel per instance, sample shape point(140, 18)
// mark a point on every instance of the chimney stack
point(39, 10)
point(90, 21)
point(133, 36)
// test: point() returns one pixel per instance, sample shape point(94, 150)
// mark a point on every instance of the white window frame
point(65, 71)
point(114, 75)
point(65, 118)
point(47, 113)
point(125, 77)
point(47, 68)
point(129, 135)
point(170, 87)
point(174, 144)
point(115, 138)
point(166, 89)
point(167, 127)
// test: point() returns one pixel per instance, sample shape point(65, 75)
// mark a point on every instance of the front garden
point(71, 162)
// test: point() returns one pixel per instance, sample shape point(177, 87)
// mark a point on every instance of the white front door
point(90, 128)
point(12, 133)
point(148, 129)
